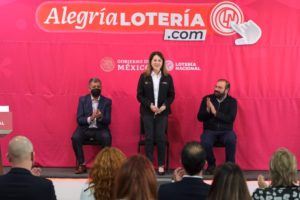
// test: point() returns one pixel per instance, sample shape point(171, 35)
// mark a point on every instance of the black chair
point(142, 142)
point(219, 144)
point(90, 141)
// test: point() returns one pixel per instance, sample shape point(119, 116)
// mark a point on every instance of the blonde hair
point(102, 174)
point(283, 168)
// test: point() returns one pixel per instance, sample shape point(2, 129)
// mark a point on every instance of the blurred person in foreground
point(101, 176)
point(20, 183)
point(283, 175)
point(136, 180)
point(229, 183)
point(189, 182)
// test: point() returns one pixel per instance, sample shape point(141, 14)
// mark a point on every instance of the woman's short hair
point(229, 183)
point(136, 180)
point(283, 168)
point(102, 174)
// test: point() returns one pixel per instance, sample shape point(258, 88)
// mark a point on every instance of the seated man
point(93, 118)
point(19, 183)
point(188, 180)
point(218, 112)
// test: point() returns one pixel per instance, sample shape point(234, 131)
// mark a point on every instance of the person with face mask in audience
point(217, 112)
point(93, 119)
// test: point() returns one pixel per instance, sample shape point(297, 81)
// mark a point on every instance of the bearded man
point(217, 112)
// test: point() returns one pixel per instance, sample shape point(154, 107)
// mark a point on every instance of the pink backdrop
point(42, 74)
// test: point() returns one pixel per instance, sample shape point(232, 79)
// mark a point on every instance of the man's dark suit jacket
point(188, 188)
point(85, 110)
point(145, 94)
point(20, 184)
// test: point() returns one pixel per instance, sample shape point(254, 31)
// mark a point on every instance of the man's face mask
point(96, 92)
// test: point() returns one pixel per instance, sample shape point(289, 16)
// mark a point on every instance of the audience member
point(283, 175)
point(102, 174)
point(229, 184)
point(136, 180)
point(19, 183)
point(189, 182)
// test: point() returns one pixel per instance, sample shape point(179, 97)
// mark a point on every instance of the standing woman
point(155, 93)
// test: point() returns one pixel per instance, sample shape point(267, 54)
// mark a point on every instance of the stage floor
point(69, 173)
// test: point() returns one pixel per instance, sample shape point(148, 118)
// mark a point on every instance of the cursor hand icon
point(249, 31)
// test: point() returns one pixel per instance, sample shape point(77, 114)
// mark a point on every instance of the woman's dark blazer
point(145, 93)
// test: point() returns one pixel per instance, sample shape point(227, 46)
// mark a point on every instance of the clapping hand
point(261, 181)
point(210, 107)
point(96, 114)
point(178, 174)
point(36, 171)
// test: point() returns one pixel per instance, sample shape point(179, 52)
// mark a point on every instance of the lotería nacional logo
point(169, 65)
point(223, 14)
